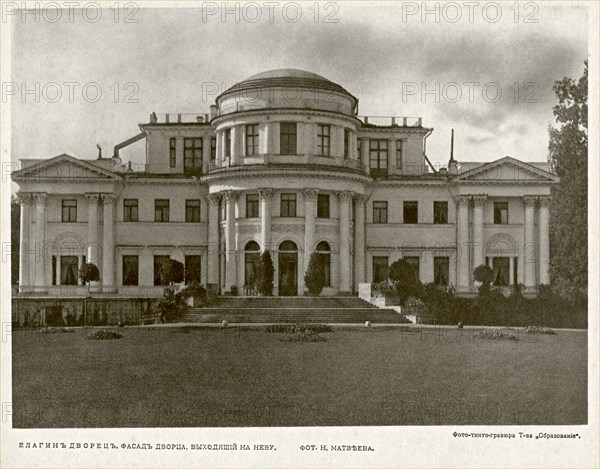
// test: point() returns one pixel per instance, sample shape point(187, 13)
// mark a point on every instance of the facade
point(282, 163)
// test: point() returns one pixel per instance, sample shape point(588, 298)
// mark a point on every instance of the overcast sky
point(387, 55)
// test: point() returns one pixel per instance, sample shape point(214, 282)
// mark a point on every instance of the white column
point(344, 273)
point(529, 248)
point(230, 247)
point(359, 238)
point(213, 240)
point(462, 243)
point(40, 240)
point(24, 240)
point(365, 154)
point(266, 196)
point(544, 244)
point(352, 151)
point(310, 215)
point(108, 245)
point(478, 203)
point(219, 149)
point(235, 145)
point(264, 138)
point(57, 267)
point(511, 270)
point(93, 249)
point(391, 163)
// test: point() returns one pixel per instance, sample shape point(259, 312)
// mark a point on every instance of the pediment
point(65, 167)
point(506, 170)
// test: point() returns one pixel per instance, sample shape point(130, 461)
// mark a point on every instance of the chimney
point(452, 164)
point(213, 111)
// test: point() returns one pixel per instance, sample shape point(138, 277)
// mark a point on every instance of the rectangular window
point(161, 210)
point(227, 143)
point(53, 270)
point(287, 138)
point(322, 206)
point(380, 269)
point(378, 157)
point(251, 139)
point(501, 268)
point(130, 270)
point(213, 149)
point(69, 270)
point(441, 270)
point(172, 152)
point(380, 212)
point(411, 212)
point(415, 263)
point(158, 260)
point(324, 139)
point(398, 154)
point(192, 211)
point(252, 206)
point(501, 213)
point(440, 212)
point(192, 154)
point(130, 210)
point(69, 211)
point(288, 205)
point(346, 143)
point(192, 269)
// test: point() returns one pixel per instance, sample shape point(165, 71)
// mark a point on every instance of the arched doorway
point(251, 263)
point(288, 269)
point(324, 252)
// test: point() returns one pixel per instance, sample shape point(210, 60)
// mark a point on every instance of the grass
point(227, 377)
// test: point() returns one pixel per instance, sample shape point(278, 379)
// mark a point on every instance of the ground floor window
point(380, 269)
point(501, 267)
point(130, 270)
point(324, 252)
point(415, 263)
point(441, 270)
point(68, 270)
point(251, 263)
point(158, 260)
point(192, 269)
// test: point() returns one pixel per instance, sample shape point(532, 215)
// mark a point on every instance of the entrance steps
point(329, 310)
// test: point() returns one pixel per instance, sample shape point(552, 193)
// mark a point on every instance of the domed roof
point(286, 73)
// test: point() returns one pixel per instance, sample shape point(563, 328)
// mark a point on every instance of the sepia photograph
point(299, 234)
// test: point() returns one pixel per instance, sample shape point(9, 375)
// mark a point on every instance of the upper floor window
point(192, 153)
point(287, 138)
point(252, 139)
point(130, 210)
point(172, 152)
point(378, 155)
point(227, 143)
point(501, 213)
point(359, 148)
point(252, 206)
point(380, 212)
point(346, 143)
point(322, 206)
point(398, 154)
point(288, 205)
point(69, 210)
point(440, 212)
point(213, 149)
point(411, 212)
point(161, 210)
point(324, 139)
point(192, 211)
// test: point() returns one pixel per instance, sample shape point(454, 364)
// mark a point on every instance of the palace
point(283, 162)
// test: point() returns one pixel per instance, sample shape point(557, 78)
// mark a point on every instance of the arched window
point(288, 246)
point(324, 252)
point(251, 263)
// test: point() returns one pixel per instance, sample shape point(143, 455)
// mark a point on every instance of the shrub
point(104, 334)
point(265, 274)
point(315, 274)
point(171, 271)
point(492, 334)
point(299, 333)
point(291, 328)
point(89, 273)
point(403, 275)
point(539, 330)
point(171, 306)
point(485, 275)
point(54, 330)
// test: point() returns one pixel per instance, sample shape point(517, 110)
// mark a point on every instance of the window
point(54, 270)
point(287, 138)
point(441, 270)
point(324, 252)
point(440, 212)
point(192, 269)
point(359, 148)
point(414, 262)
point(252, 206)
point(411, 212)
point(69, 211)
point(288, 205)
point(501, 266)
point(252, 139)
point(172, 152)
point(251, 265)
point(130, 210)
point(192, 153)
point(158, 260)
point(398, 154)
point(130, 270)
point(213, 149)
point(322, 206)
point(378, 157)
point(380, 269)
point(161, 210)
point(380, 212)
point(227, 143)
point(68, 270)
point(346, 143)
point(192, 211)
point(324, 139)
point(501, 213)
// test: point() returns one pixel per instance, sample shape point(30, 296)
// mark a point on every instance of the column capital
point(265, 193)
point(92, 198)
point(529, 200)
point(108, 199)
point(479, 200)
point(310, 194)
point(345, 196)
point(40, 198)
point(545, 201)
point(361, 198)
point(24, 198)
point(213, 199)
point(463, 199)
point(231, 196)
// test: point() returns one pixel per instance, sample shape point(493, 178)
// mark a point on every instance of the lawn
point(161, 377)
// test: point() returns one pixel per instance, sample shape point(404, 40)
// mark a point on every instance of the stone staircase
point(347, 310)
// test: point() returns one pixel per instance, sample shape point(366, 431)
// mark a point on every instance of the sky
point(487, 72)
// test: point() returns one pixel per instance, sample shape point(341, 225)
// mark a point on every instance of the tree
point(265, 274)
point(89, 273)
point(568, 153)
point(315, 275)
point(171, 271)
point(485, 275)
point(405, 280)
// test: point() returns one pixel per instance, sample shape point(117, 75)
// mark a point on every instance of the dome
point(286, 73)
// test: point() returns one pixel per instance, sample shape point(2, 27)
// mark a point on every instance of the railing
point(288, 159)
point(200, 118)
point(394, 121)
